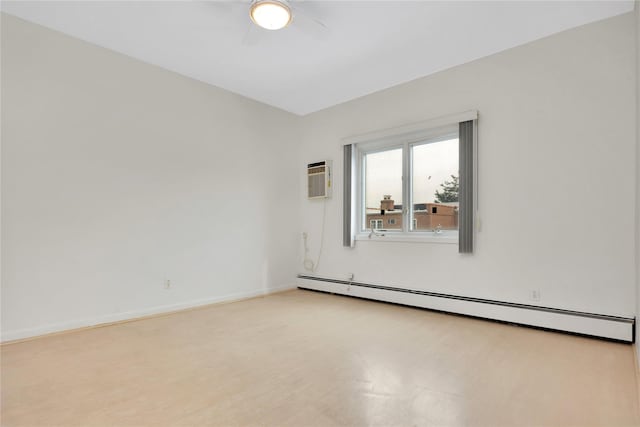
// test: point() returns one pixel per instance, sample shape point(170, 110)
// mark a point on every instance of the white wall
point(556, 171)
point(117, 175)
point(637, 22)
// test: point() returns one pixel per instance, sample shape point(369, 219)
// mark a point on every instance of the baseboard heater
point(596, 325)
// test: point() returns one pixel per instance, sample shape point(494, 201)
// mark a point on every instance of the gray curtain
point(346, 196)
point(465, 210)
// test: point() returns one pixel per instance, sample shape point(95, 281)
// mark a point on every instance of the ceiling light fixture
point(270, 14)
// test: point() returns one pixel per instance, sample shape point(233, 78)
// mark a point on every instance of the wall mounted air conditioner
point(319, 180)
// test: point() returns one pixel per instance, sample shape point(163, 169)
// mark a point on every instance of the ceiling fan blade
point(251, 36)
point(224, 6)
point(307, 19)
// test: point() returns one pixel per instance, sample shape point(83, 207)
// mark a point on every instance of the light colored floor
point(302, 358)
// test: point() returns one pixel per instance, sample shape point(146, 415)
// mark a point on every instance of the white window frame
point(404, 140)
point(377, 222)
point(351, 206)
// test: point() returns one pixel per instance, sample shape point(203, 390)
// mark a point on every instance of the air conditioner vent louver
point(316, 170)
point(318, 180)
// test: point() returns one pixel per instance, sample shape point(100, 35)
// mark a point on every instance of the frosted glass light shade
point(270, 14)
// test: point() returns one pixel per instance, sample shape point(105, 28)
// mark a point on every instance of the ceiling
point(366, 45)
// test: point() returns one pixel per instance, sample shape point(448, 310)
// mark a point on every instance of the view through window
point(383, 188)
point(434, 180)
point(432, 187)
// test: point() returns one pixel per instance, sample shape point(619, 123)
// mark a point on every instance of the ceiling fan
point(273, 15)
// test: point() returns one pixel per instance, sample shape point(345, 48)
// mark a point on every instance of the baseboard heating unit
point(576, 322)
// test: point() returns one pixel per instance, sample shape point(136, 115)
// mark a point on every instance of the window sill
point(447, 237)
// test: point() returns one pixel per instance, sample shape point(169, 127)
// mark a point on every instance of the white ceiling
point(367, 46)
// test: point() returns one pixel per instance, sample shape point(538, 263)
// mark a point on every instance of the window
point(411, 182)
point(382, 179)
point(375, 224)
point(434, 183)
point(419, 179)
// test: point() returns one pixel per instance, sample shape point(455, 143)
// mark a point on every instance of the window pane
point(435, 186)
point(383, 190)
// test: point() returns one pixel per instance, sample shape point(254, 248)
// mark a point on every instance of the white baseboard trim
point(104, 320)
point(597, 325)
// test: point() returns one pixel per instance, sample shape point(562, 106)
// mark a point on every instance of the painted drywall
point(118, 175)
point(637, 18)
point(556, 168)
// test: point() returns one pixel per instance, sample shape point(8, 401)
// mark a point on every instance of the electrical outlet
point(167, 284)
point(534, 295)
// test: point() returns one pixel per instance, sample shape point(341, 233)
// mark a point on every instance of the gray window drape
point(465, 197)
point(347, 178)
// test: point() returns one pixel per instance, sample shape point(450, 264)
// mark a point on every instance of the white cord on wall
point(309, 264)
